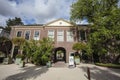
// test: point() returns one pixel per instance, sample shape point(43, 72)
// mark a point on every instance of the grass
point(109, 65)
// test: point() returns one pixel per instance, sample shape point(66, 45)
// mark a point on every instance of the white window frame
point(25, 34)
point(17, 33)
point(60, 35)
point(51, 34)
point(69, 36)
point(38, 37)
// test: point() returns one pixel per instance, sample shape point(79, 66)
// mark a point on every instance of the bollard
point(88, 73)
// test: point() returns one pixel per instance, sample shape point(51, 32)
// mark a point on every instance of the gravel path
point(32, 72)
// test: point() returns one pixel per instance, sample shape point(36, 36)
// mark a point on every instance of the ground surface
point(31, 72)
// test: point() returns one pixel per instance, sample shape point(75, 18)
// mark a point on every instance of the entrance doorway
point(60, 54)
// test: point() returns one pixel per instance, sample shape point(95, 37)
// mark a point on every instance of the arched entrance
point(59, 54)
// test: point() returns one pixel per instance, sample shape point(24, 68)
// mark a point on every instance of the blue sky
point(35, 11)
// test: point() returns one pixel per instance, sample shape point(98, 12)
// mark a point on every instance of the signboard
point(71, 60)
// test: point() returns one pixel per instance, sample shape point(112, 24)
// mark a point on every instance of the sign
point(71, 60)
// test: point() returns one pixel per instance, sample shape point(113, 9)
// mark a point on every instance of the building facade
point(63, 33)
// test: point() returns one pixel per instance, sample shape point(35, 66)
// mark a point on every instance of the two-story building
point(63, 33)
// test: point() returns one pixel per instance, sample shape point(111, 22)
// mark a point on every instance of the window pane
point(27, 35)
point(36, 35)
point(70, 36)
point(82, 35)
point(19, 33)
point(51, 34)
point(60, 35)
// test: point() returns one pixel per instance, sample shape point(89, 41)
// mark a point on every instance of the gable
point(59, 22)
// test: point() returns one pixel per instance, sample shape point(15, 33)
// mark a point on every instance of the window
point(36, 35)
point(19, 33)
point(60, 35)
point(27, 35)
point(82, 35)
point(51, 34)
point(70, 37)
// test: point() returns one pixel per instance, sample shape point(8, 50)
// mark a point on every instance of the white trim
point(61, 34)
point(68, 34)
point(34, 34)
point(53, 34)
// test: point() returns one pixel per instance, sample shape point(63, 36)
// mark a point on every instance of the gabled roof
point(59, 22)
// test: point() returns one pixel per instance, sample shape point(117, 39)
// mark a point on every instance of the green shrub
point(44, 59)
point(110, 65)
point(20, 56)
point(2, 54)
point(43, 51)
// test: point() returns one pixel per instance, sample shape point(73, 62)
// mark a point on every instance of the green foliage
point(5, 45)
point(91, 9)
point(105, 18)
point(19, 41)
point(22, 56)
point(7, 29)
point(18, 56)
point(59, 52)
point(109, 65)
point(43, 52)
point(2, 54)
point(14, 21)
point(79, 46)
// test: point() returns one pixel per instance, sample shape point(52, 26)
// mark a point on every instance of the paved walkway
point(60, 64)
point(31, 72)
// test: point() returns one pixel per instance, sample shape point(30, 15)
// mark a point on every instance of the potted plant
point(22, 62)
point(48, 64)
point(77, 60)
point(18, 59)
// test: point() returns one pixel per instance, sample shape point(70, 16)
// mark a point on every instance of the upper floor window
point(82, 35)
point(60, 35)
point(70, 37)
point(19, 33)
point(36, 35)
point(51, 34)
point(27, 35)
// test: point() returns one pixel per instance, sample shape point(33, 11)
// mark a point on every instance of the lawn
point(109, 65)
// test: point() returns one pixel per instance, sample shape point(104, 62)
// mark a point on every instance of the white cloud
point(7, 9)
point(3, 20)
point(39, 10)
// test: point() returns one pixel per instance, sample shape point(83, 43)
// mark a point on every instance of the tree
point(18, 41)
point(5, 45)
point(29, 48)
point(43, 52)
point(13, 22)
point(105, 23)
point(79, 46)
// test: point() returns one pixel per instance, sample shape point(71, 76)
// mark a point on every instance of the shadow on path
point(28, 72)
point(102, 74)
